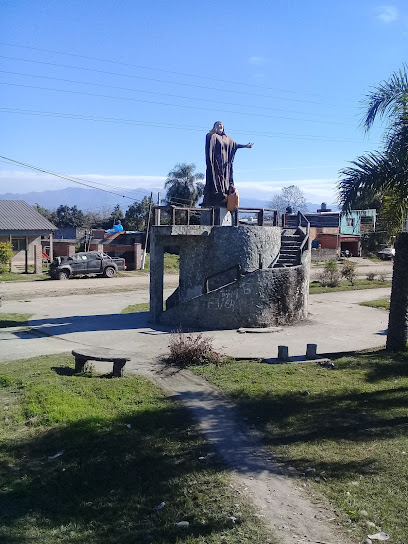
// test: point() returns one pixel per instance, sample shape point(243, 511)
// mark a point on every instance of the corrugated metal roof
point(18, 215)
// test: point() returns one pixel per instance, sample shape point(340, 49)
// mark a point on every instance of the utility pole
point(158, 211)
point(147, 233)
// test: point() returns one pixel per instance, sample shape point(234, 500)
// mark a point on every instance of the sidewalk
point(336, 323)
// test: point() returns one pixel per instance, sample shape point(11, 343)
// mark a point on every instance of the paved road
point(336, 323)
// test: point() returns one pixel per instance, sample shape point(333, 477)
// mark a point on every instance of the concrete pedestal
point(222, 218)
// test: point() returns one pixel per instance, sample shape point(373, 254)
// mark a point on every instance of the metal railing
point(235, 267)
point(305, 240)
point(182, 215)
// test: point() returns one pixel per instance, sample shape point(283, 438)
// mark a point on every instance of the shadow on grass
point(391, 366)
point(107, 484)
point(292, 418)
point(5, 323)
point(69, 371)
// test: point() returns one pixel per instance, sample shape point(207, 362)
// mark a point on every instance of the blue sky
point(286, 75)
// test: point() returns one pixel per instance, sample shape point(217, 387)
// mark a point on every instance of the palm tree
point(385, 174)
point(382, 173)
point(183, 188)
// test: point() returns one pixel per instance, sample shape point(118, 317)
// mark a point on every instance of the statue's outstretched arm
point(240, 146)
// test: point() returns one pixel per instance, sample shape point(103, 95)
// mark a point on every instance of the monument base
point(222, 218)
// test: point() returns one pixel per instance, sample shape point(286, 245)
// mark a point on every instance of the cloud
point(257, 61)
point(387, 14)
point(15, 181)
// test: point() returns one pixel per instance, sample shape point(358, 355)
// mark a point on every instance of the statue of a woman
point(219, 156)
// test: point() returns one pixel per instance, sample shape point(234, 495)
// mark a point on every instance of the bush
point(330, 276)
point(6, 253)
point(371, 276)
point(382, 277)
point(349, 271)
point(189, 349)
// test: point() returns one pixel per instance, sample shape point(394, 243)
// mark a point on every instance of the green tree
point(117, 213)
point(182, 185)
point(137, 214)
point(69, 216)
point(6, 253)
point(289, 196)
point(48, 214)
point(385, 174)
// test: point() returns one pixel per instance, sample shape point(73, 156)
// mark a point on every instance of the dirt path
point(21, 290)
point(290, 511)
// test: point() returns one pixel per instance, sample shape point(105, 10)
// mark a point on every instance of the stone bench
point(82, 356)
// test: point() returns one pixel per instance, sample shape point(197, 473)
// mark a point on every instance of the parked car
point(386, 253)
point(85, 263)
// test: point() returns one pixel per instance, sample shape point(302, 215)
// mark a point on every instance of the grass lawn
point(380, 303)
point(13, 320)
point(171, 265)
point(88, 459)
point(350, 424)
point(317, 287)
point(136, 308)
point(13, 276)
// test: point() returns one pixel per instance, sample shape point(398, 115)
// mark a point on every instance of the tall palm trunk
point(398, 321)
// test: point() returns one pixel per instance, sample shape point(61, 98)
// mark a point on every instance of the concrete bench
point(82, 356)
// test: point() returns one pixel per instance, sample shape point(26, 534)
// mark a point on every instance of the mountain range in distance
point(96, 200)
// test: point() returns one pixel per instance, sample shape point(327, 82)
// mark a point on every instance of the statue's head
point(218, 128)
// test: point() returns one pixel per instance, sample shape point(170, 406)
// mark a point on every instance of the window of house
point(350, 222)
point(367, 220)
point(19, 244)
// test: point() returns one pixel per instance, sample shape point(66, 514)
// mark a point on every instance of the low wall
point(319, 255)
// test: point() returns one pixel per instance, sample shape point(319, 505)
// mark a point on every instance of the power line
point(175, 105)
point(62, 176)
point(165, 81)
point(150, 68)
point(115, 120)
point(79, 181)
point(158, 94)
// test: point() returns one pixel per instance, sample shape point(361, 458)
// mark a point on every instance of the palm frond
point(387, 99)
point(369, 175)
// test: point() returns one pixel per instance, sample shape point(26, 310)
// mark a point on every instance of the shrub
point(330, 276)
point(349, 271)
point(6, 253)
point(192, 349)
point(382, 277)
point(371, 276)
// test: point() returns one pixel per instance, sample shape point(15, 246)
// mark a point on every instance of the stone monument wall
point(256, 297)
point(268, 297)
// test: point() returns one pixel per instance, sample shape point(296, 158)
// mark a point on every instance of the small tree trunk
point(397, 323)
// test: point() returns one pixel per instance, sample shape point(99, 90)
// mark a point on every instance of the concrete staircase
point(290, 249)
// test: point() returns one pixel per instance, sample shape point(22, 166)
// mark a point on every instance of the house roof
point(17, 215)
point(324, 219)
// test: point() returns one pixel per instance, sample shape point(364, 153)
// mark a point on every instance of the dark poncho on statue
point(219, 156)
